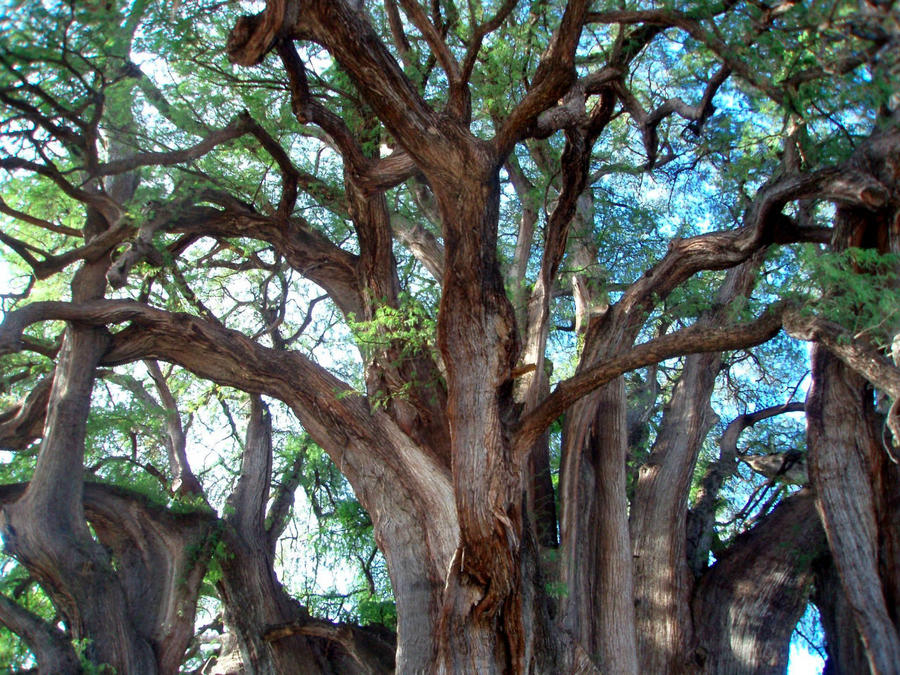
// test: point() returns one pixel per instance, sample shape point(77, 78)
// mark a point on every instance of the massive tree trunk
point(596, 562)
point(855, 480)
point(844, 649)
point(448, 452)
point(46, 528)
point(663, 582)
point(160, 563)
point(747, 604)
point(843, 462)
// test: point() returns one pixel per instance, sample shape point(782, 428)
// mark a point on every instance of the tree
point(565, 240)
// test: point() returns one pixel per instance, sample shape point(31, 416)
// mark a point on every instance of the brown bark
point(160, 562)
point(274, 633)
point(596, 558)
point(745, 606)
point(658, 520)
point(52, 651)
point(183, 480)
point(843, 646)
point(856, 484)
point(453, 477)
point(24, 423)
point(702, 517)
point(843, 459)
point(659, 508)
point(46, 529)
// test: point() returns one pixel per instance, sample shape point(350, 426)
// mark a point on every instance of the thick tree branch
point(305, 249)
point(38, 222)
point(52, 650)
point(335, 416)
point(738, 630)
point(693, 340)
point(701, 519)
point(458, 98)
point(161, 559)
point(763, 224)
point(422, 243)
point(692, 26)
point(354, 44)
point(553, 77)
point(858, 354)
point(24, 423)
point(108, 207)
point(51, 264)
point(240, 125)
point(372, 651)
point(480, 32)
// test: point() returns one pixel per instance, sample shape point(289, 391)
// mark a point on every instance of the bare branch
point(459, 96)
point(52, 650)
point(701, 519)
point(553, 77)
point(38, 222)
point(239, 126)
point(24, 423)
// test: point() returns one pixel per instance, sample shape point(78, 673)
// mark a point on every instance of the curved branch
point(553, 77)
point(665, 18)
point(355, 45)
point(107, 206)
point(38, 222)
point(701, 518)
point(480, 32)
point(693, 340)
point(741, 631)
point(52, 650)
point(24, 423)
point(334, 414)
point(458, 103)
point(371, 650)
point(861, 356)
point(239, 126)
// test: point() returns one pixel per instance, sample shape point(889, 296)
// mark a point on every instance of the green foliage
point(856, 288)
point(409, 325)
point(705, 177)
point(16, 584)
point(88, 667)
point(372, 609)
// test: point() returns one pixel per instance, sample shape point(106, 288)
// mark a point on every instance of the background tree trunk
point(746, 606)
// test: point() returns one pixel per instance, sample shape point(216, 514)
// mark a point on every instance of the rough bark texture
point(660, 504)
point(843, 647)
point(274, 634)
point(843, 458)
point(596, 560)
point(746, 606)
point(856, 484)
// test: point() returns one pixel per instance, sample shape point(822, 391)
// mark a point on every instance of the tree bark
point(596, 557)
point(843, 459)
point(746, 606)
point(274, 633)
point(46, 529)
point(160, 564)
point(843, 647)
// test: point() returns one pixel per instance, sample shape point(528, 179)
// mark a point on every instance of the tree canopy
point(493, 337)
